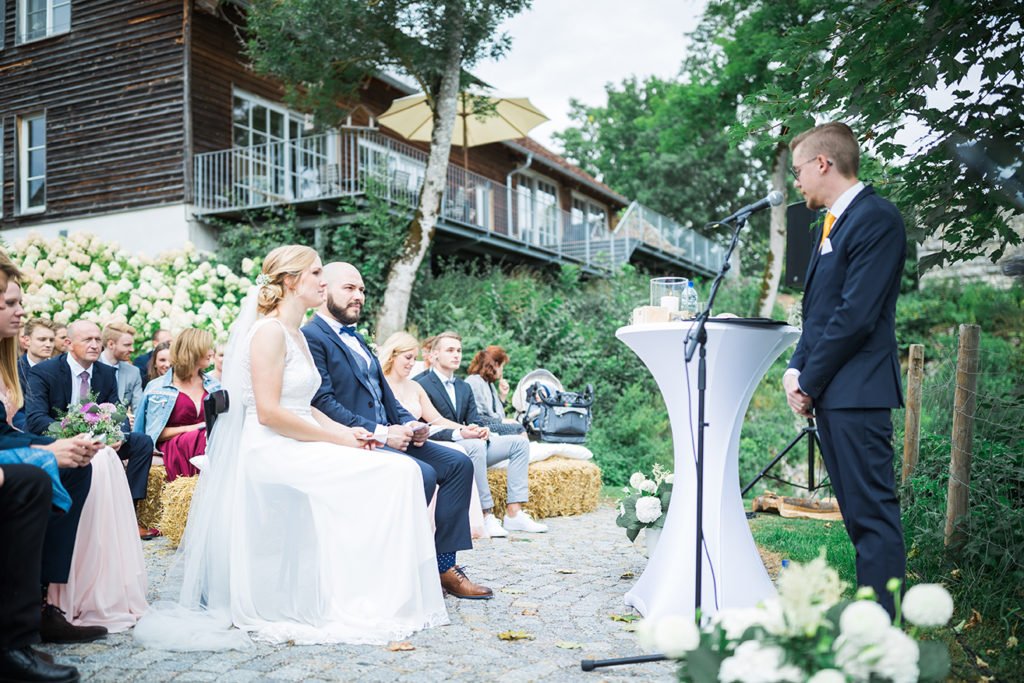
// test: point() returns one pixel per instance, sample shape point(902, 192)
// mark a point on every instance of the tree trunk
point(394, 309)
point(776, 237)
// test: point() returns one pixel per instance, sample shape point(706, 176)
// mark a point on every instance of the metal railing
point(665, 235)
point(352, 161)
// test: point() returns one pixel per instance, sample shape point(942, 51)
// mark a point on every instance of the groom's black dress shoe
point(455, 582)
point(25, 664)
point(54, 628)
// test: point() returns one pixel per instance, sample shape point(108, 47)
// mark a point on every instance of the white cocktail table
point(739, 352)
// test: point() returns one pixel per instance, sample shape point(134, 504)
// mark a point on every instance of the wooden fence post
point(964, 404)
point(912, 424)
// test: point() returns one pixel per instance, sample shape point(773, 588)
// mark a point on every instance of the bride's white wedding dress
point(295, 541)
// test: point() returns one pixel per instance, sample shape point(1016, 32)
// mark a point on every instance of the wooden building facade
point(139, 120)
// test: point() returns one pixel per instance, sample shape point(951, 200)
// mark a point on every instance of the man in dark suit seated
point(57, 383)
point(453, 398)
point(25, 506)
point(354, 393)
point(38, 337)
point(845, 371)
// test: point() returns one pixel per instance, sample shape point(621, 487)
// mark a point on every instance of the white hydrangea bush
point(84, 277)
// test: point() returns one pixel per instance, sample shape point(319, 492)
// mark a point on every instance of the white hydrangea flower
point(735, 622)
point(806, 593)
point(898, 657)
point(928, 605)
point(672, 635)
point(864, 622)
point(753, 662)
point(669, 478)
point(648, 509)
point(636, 479)
point(828, 676)
point(247, 265)
point(648, 486)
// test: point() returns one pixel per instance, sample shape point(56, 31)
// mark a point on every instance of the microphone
point(774, 198)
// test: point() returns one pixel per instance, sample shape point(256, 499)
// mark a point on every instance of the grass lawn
point(800, 540)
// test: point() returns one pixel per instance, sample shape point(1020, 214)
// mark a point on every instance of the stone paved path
point(560, 587)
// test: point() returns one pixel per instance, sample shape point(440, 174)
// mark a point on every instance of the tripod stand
point(811, 432)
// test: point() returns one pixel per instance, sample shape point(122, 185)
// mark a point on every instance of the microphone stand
point(696, 338)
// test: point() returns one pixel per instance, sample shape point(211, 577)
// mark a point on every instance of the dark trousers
point(24, 512)
point(857, 448)
point(451, 471)
point(137, 449)
point(63, 529)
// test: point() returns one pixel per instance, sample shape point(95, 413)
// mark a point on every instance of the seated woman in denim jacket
point(172, 411)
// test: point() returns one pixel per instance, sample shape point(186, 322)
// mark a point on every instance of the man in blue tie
point(354, 392)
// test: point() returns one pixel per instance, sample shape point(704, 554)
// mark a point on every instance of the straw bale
point(176, 499)
point(149, 509)
point(558, 486)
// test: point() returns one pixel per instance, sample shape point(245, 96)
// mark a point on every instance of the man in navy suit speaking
point(353, 392)
point(845, 371)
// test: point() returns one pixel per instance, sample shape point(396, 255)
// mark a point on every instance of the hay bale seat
point(175, 501)
point(149, 510)
point(558, 486)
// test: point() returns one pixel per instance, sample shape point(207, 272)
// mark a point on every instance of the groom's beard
point(345, 316)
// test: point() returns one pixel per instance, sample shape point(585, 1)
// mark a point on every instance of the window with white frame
point(586, 216)
point(393, 171)
point(537, 210)
point(274, 159)
point(32, 163)
point(41, 18)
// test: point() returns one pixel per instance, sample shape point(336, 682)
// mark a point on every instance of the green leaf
point(933, 663)
point(632, 533)
point(702, 665)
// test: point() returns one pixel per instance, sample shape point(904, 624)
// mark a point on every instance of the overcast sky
point(564, 49)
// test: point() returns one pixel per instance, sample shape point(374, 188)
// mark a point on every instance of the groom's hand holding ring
point(420, 432)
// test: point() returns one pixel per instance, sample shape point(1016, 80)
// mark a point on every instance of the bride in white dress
point(298, 531)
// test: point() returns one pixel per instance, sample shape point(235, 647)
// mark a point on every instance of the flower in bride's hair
point(262, 280)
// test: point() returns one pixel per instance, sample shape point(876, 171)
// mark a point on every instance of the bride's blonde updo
point(289, 260)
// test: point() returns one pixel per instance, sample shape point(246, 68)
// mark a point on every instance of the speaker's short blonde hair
point(836, 141)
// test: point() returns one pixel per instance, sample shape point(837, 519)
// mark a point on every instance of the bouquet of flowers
point(808, 634)
point(645, 503)
point(102, 420)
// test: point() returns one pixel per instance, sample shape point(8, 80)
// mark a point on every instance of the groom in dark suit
point(845, 371)
point(57, 383)
point(354, 393)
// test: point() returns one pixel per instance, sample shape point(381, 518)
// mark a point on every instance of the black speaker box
point(799, 242)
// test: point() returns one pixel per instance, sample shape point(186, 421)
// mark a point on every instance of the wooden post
point(912, 424)
point(964, 404)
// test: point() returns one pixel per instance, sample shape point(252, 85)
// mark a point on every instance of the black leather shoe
point(54, 628)
point(25, 664)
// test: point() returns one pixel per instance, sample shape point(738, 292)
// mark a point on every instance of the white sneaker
point(492, 527)
point(523, 522)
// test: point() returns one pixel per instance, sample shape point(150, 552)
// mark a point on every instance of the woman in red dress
point(172, 407)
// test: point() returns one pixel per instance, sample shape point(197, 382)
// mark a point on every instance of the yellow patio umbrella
point(502, 118)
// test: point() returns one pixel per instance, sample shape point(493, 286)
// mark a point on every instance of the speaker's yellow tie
point(829, 220)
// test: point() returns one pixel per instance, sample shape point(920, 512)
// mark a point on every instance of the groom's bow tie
point(345, 329)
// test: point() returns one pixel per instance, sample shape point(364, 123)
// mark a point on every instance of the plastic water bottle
point(688, 304)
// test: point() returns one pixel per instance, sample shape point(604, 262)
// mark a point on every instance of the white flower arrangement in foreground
point(808, 634)
point(83, 277)
point(645, 502)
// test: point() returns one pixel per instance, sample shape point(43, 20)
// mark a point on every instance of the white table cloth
point(739, 352)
